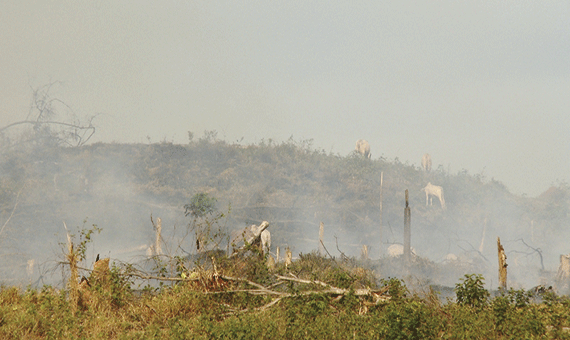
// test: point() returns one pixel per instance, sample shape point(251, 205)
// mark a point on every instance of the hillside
point(291, 184)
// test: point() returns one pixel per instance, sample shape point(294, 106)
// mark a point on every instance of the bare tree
point(53, 122)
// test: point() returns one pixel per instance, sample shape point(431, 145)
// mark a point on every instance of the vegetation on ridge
point(295, 187)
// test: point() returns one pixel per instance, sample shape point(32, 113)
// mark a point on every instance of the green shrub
point(471, 291)
point(410, 319)
point(397, 288)
point(515, 317)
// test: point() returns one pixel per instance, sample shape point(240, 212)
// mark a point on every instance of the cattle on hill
point(434, 190)
point(426, 162)
point(363, 148)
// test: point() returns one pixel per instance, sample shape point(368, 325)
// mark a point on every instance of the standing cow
point(434, 190)
point(265, 238)
point(363, 148)
point(426, 162)
point(253, 234)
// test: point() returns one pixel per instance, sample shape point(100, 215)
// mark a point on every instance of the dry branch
point(378, 295)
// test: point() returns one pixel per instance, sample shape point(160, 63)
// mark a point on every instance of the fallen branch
point(332, 289)
point(377, 295)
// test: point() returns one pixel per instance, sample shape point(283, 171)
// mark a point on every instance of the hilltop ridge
point(290, 184)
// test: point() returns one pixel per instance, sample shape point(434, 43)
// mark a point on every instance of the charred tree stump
point(155, 249)
point(288, 258)
point(502, 266)
point(407, 231)
point(563, 274)
point(364, 252)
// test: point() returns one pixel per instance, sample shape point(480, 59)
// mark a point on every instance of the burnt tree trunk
point(563, 274)
point(502, 266)
point(407, 231)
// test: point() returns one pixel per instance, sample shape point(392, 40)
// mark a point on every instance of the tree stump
point(563, 274)
point(288, 257)
point(364, 252)
point(407, 232)
point(502, 265)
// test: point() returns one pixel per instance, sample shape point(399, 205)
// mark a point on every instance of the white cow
point(265, 238)
point(250, 235)
point(434, 190)
point(396, 250)
point(426, 162)
point(363, 148)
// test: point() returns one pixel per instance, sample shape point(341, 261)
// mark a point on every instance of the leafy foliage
point(200, 205)
point(181, 311)
point(471, 291)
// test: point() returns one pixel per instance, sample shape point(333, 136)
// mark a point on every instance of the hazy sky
point(480, 85)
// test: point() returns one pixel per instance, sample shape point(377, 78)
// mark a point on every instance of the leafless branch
point(343, 256)
point(13, 210)
point(537, 250)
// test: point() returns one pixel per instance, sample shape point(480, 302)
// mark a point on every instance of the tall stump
point(407, 232)
point(502, 265)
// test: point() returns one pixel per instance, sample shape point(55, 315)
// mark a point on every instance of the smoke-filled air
point(404, 138)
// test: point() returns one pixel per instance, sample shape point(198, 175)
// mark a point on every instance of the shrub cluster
point(182, 311)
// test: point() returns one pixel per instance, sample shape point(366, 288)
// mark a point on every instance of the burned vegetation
point(178, 243)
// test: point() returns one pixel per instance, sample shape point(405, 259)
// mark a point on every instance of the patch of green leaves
point(471, 291)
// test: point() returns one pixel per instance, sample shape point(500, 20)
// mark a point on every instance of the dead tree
point(288, 258)
point(381, 199)
point(45, 118)
point(502, 265)
point(364, 252)
point(321, 237)
point(563, 274)
point(156, 248)
point(407, 231)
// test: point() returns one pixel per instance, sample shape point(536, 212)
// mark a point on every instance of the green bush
point(410, 319)
point(471, 291)
point(396, 288)
point(181, 312)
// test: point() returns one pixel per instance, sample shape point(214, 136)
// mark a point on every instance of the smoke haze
point(481, 86)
